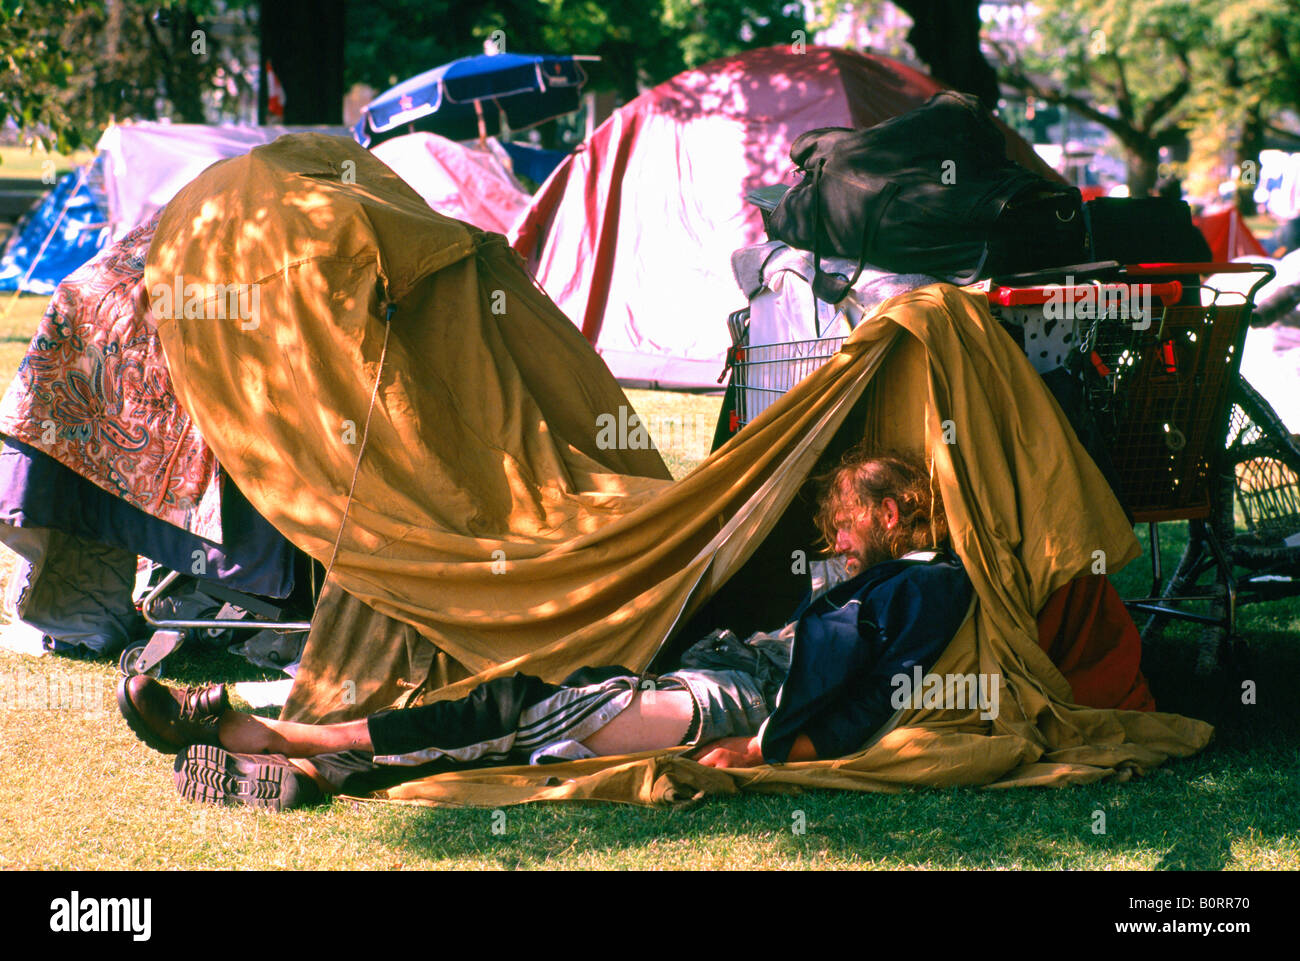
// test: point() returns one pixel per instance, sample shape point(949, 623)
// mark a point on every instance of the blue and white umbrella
point(525, 89)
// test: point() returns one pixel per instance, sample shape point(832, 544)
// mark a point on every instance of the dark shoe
point(267, 781)
point(170, 719)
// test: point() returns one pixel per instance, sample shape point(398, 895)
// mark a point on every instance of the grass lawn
point(79, 791)
point(31, 164)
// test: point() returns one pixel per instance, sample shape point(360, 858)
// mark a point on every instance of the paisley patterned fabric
point(94, 393)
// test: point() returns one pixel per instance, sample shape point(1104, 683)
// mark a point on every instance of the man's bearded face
point(860, 536)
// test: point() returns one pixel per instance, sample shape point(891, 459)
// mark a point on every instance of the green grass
point(19, 315)
point(78, 791)
point(681, 425)
point(30, 164)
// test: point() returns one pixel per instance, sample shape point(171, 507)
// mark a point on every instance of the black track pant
point(501, 722)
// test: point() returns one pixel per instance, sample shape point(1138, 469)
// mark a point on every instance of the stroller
point(81, 583)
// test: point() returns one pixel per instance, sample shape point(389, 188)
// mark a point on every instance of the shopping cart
point(763, 372)
point(183, 609)
point(1191, 441)
point(1188, 439)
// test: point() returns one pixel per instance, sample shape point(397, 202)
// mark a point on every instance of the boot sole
point(213, 775)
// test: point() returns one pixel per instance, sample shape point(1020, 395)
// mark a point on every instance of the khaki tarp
point(483, 510)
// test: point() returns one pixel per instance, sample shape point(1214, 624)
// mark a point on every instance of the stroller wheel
point(127, 663)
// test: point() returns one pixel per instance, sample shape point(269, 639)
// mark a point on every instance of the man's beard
point(876, 549)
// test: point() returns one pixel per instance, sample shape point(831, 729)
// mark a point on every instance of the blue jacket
point(852, 640)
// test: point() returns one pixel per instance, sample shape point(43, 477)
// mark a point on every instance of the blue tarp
point(535, 163)
point(81, 233)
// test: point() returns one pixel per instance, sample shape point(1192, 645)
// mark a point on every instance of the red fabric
point(632, 235)
point(1088, 633)
point(1228, 235)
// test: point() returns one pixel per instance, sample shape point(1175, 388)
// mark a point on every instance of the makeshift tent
point(468, 183)
point(146, 163)
point(65, 230)
point(476, 502)
point(139, 167)
point(1228, 235)
point(632, 234)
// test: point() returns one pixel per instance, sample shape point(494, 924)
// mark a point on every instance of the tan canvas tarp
point(483, 511)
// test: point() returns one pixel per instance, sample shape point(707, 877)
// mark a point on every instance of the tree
point(303, 40)
point(946, 37)
point(640, 44)
point(1241, 102)
point(71, 65)
point(1125, 64)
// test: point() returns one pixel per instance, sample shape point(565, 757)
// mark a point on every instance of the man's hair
point(864, 478)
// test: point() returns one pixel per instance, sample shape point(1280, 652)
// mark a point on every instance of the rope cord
point(365, 433)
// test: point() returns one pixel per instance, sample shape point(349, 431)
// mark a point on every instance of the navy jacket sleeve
point(850, 647)
point(912, 625)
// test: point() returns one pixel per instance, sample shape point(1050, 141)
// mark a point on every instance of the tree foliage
point(640, 44)
point(68, 66)
point(1125, 64)
point(1158, 72)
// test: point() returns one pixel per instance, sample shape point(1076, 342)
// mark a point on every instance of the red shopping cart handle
point(1210, 267)
point(1266, 271)
point(1168, 293)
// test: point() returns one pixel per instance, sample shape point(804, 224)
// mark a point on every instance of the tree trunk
point(946, 36)
point(303, 41)
point(1252, 141)
point(1142, 167)
point(182, 79)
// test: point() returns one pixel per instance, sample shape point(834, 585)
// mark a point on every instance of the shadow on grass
point(1176, 819)
point(1238, 799)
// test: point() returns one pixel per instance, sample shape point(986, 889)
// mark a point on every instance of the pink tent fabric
point(632, 235)
point(465, 181)
point(1228, 235)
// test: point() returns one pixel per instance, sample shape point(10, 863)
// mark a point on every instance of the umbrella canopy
point(522, 88)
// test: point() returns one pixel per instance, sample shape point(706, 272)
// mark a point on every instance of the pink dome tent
point(632, 234)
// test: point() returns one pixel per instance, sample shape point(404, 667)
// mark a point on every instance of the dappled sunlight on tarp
point(487, 514)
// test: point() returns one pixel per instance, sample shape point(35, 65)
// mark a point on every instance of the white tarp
point(146, 163)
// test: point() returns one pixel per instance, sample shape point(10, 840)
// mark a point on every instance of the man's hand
point(731, 752)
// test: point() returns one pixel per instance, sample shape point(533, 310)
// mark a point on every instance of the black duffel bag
point(928, 192)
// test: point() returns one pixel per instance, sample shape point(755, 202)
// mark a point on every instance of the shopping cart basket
point(1162, 389)
point(1188, 438)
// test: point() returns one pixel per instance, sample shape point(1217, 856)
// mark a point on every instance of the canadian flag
point(274, 95)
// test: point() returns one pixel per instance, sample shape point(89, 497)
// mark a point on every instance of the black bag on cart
point(1144, 230)
point(932, 192)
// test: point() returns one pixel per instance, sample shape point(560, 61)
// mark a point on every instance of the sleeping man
point(821, 687)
